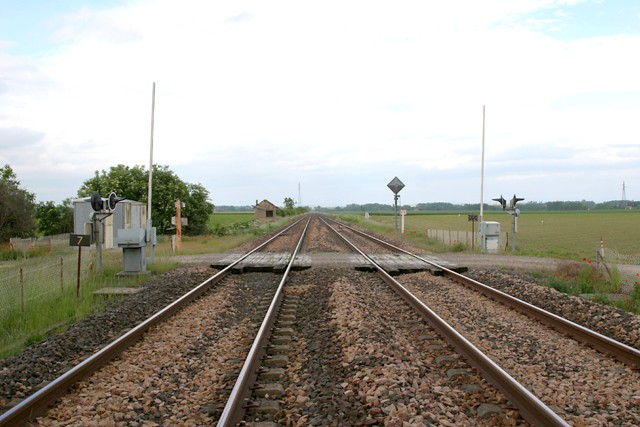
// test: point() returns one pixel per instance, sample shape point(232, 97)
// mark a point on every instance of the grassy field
point(566, 235)
point(226, 219)
point(50, 306)
point(571, 236)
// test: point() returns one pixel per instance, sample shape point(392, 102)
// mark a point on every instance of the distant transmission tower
point(624, 193)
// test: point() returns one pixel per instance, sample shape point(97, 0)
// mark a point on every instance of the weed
point(458, 247)
point(537, 274)
point(38, 251)
point(585, 278)
point(8, 253)
point(630, 302)
point(562, 285)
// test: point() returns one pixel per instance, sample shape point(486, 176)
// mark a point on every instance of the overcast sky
point(256, 99)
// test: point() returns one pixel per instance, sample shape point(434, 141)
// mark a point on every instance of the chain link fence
point(627, 265)
point(54, 242)
point(29, 280)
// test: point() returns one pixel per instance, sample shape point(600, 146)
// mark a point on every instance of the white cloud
point(340, 89)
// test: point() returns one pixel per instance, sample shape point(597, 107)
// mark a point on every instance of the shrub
point(458, 247)
point(585, 278)
point(9, 253)
point(37, 251)
point(634, 302)
point(561, 285)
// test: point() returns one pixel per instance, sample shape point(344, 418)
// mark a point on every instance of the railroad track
point(349, 350)
point(38, 402)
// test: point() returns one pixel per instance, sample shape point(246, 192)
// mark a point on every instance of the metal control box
point(131, 237)
point(490, 236)
point(133, 244)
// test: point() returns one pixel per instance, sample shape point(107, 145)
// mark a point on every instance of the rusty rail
point(620, 351)
point(37, 403)
point(234, 410)
point(532, 409)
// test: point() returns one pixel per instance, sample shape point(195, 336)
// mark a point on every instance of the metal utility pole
point(153, 107)
point(482, 171)
point(515, 213)
point(395, 185)
point(97, 238)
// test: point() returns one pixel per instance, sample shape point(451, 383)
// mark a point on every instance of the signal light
point(514, 200)
point(113, 200)
point(99, 204)
point(502, 202)
point(96, 202)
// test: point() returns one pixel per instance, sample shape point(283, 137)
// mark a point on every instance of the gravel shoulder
point(521, 263)
point(502, 261)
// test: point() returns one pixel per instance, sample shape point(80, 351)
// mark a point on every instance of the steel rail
point(532, 409)
point(234, 410)
point(620, 351)
point(38, 403)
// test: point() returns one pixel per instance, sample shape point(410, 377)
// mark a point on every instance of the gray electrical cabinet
point(127, 214)
point(133, 244)
point(490, 236)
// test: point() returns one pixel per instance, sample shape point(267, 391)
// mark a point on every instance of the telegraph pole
point(482, 172)
point(149, 226)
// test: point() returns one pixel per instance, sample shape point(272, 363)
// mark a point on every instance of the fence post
point(21, 290)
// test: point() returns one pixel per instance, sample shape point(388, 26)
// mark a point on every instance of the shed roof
point(265, 204)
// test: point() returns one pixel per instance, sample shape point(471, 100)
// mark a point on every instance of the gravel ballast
point(359, 356)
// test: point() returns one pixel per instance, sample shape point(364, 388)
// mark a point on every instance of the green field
point(226, 219)
point(567, 235)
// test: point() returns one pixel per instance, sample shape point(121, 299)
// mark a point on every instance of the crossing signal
point(514, 200)
point(99, 204)
point(502, 202)
point(96, 202)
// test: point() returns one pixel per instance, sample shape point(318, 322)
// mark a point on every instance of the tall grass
point(53, 311)
point(56, 310)
point(585, 278)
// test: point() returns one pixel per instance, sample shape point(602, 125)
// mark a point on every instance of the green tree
point(54, 219)
point(290, 208)
point(198, 209)
point(127, 182)
point(131, 183)
point(289, 203)
point(16, 207)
